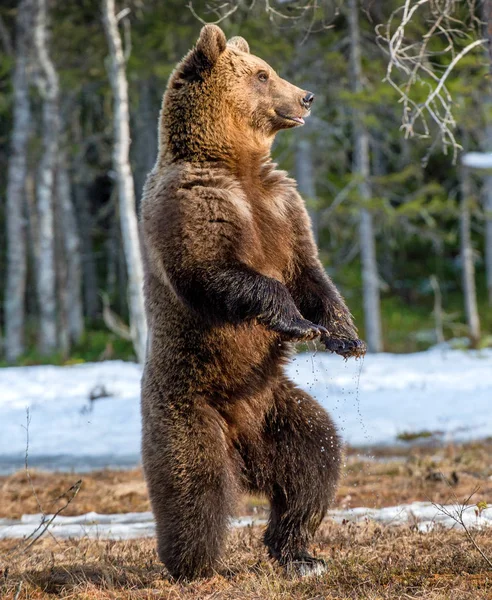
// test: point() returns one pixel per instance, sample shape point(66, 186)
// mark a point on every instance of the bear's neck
point(203, 137)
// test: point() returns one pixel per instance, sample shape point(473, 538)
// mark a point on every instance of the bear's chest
point(272, 233)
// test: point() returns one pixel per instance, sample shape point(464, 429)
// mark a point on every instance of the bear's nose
point(307, 100)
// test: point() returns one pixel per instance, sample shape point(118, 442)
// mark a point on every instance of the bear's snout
point(307, 100)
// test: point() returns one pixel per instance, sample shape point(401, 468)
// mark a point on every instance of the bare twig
point(308, 10)
point(18, 590)
point(219, 19)
point(26, 462)
point(113, 321)
point(415, 61)
point(457, 517)
point(45, 521)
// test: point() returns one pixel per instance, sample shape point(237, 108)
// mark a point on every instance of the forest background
point(404, 230)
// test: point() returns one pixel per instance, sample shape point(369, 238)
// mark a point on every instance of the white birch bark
point(61, 269)
point(16, 181)
point(126, 189)
point(468, 265)
point(47, 81)
point(361, 168)
point(72, 298)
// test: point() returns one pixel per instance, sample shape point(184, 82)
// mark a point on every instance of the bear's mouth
point(298, 120)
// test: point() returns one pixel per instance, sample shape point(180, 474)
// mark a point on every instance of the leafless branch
point(122, 14)
point(416, 62)
point(220, 18)
point(456, 514)
point(308, 11)
point(43, 526)
point(18, 590)
point(112, 321)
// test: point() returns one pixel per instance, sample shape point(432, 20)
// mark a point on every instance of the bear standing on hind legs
point(232, 279)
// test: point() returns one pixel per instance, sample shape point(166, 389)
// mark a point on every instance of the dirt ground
point(366, 561)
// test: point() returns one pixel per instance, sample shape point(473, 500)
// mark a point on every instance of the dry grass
point(390, 480)
point(366, 561)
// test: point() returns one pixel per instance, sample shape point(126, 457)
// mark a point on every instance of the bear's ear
point(239, 42)
point(210, 45)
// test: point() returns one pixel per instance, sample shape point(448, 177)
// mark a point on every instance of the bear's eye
point(263, 76)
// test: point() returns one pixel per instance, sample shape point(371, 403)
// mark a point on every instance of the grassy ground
point(366, 561)
point(384, 477)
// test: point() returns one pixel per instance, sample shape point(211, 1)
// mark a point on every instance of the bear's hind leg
point(297, 465)
point(192, 485)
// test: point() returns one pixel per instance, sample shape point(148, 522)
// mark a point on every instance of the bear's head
point(223, 102)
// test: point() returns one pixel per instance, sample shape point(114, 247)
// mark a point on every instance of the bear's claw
point(346, 348)
point(298, 330)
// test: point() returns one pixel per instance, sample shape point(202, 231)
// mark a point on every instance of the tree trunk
point(89, 271)
point(361, 169)
point(46, 276)
point(61, 269)
point(488, 226)
point(306, 181)
point(72, 308)
point(487, 103)
point(16, 181)
point(144, 149)
point(126, 190)
point(467, 261)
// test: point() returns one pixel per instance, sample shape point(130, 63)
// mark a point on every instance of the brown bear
point(232, 279)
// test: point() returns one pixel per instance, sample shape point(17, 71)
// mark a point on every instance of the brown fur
point(232, 279)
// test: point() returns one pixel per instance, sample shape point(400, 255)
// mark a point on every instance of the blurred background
point(402, 228)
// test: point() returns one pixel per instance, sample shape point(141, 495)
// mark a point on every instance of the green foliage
point(97, 344)
point(412, 436)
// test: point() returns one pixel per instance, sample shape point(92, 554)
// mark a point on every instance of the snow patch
point(372, 401)
point(422, 515)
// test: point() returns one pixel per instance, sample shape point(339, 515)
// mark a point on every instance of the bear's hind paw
point(307, 566)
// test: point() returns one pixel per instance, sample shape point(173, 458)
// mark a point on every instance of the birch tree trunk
point(72, 301)
point(361, 169)
point(16, 181)
point(468, 266)
point(126, 189)
point(46, 276)
point(61, 270)
point(306, 182)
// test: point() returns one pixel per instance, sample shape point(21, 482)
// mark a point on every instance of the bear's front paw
point(344, 347)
